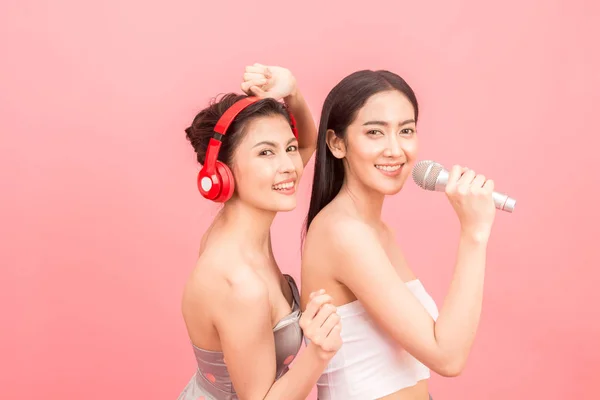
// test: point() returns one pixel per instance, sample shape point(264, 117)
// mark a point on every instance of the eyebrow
point(383, 123)
point(272, 144)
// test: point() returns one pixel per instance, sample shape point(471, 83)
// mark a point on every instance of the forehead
point(272, 128)
point(389, 106)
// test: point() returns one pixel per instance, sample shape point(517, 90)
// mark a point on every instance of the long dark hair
point(339, 111)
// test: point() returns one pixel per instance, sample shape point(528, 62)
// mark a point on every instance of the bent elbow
point(451, 368)
point(449, 371)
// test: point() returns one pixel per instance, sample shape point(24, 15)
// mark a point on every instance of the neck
point(249, 226)
point(367, 203)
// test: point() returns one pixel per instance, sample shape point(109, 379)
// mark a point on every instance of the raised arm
point(307, 131)
point(279, 83)
point(248, 344)
point(442, 345)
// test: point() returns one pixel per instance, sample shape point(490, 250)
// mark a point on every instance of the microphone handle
point(501, 201)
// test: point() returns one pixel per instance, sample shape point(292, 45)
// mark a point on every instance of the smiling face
point(380, 145)
point(267, 165)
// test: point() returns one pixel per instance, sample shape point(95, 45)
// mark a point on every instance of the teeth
point(389, 167)
point(283, 186)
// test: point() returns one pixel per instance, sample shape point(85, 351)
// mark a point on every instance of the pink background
point(101, 218)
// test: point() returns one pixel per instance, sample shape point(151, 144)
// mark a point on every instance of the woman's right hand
point(268, 81)
point(471, 197)
point(321, 325)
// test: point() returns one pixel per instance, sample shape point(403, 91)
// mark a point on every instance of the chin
point(389, 190)
point(286, 208)
point(281, 205)
point(392, 186)
point(387, 186)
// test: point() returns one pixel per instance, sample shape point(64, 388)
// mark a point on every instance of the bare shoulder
point(246, 288)
point(336, 242)
point(223, 281)
point(338, 228)
point(327, 242)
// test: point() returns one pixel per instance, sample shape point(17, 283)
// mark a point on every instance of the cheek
point(253, 175)
point(411, 147)
point(298, 166)
point(365, 151)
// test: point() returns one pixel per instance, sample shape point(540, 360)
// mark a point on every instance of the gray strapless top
point(212, 381)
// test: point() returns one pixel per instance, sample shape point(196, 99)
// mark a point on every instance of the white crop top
point(369, 365)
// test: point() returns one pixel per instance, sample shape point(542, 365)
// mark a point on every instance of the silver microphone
point(430, 175)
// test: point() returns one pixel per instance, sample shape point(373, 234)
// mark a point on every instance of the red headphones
point(215, 180)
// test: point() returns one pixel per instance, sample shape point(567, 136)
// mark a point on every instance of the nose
point(286, 164)
point(393, 148)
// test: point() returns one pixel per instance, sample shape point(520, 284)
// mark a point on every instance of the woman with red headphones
point(242, 314)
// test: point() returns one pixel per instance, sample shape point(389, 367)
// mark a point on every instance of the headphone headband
point(214, 145)
point(229, 115)
point(232, 112)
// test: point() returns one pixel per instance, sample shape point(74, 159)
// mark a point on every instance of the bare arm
point(367, 271)
point(248, 345)
point(442, 345)
point(307, 131)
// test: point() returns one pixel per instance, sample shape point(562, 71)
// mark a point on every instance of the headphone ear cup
point(207, 185)
point(227, 182)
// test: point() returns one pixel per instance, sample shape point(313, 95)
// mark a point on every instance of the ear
point(336, 144)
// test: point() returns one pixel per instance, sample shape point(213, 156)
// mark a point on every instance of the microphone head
point(425, 173)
